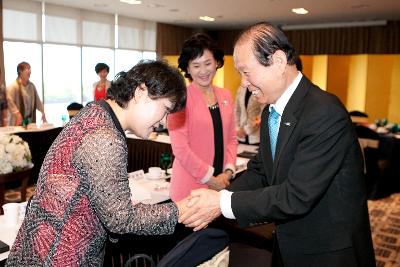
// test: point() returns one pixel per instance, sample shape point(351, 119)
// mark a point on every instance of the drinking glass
point(165, 162)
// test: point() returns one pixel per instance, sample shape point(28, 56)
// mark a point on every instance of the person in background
point(83, 189)
point(3, 106)
point(23, 99)
point(100, 87)
point(248, 112)
point(73, 109)
point(307, 177)
point(203, 135)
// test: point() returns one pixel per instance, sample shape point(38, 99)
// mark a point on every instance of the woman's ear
point(141, 92)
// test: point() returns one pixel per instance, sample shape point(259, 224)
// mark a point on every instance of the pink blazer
point(192, 139)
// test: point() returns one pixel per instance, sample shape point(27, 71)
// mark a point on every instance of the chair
point(369, 142)
point(358, 117)
point(203, 248)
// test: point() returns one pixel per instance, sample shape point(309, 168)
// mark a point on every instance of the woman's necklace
point(209, 97)
point(101, 85)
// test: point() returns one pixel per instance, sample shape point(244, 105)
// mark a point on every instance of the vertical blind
point(136, 34)
point(22, 20)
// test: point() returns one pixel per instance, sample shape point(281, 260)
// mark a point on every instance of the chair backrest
point(196, 248)
point(141, 260)
point(358, 117)
point(369, 141)
point(366, 133)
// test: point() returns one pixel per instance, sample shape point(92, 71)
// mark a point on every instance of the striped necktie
point(273, 124)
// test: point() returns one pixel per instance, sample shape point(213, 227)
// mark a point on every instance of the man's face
point(25, 74)
point(266, 83)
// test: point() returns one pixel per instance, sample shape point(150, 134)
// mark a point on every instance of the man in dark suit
point(308, 174)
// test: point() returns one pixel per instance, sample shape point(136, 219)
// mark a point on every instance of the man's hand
point(18, 119)
point(44, 117)
point(202, 208)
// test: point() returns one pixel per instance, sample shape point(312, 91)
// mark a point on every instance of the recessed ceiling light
point(154, 5)
point(300, 11)
point(131, 2)
point(206, 18)
point(100, 5)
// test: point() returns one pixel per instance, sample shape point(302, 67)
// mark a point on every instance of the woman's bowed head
point(142, 96)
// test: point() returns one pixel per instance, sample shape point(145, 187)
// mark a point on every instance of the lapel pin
point(287, 123)
point(225, 102)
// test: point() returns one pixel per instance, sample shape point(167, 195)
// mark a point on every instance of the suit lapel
point(288, 122)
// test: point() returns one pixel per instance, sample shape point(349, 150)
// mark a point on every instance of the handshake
point(199, 209)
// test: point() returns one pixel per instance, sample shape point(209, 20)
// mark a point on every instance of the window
point(65, 49)
point(126, 59)
point(62, 79)
point(149, 55)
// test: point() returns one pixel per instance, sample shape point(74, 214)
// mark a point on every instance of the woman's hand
point(219, 182)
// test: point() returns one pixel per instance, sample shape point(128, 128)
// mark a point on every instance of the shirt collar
point(114, 118)
point(282, 101)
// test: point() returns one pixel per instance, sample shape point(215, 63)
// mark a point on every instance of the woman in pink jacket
point(203, 135)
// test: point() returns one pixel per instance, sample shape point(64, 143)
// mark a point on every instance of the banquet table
point(39, 140)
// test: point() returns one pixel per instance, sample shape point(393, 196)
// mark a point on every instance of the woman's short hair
point(101, 66)
point(22, 66)
point(267, 39)
point(194, 47)
point(161, 80)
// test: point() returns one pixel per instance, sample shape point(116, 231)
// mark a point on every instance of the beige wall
point(394, 100)
point(338, 78)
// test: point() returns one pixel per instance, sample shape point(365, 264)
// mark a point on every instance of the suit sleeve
point(252, 179)
point(12, 107)
point(320, 152)
point(39, 104)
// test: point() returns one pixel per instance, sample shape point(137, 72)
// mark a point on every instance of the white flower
point(14, 153)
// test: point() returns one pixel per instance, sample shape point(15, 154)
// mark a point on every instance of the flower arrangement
point(14, 154)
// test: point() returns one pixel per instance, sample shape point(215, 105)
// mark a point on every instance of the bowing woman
point(203, 136)
point(83, 188)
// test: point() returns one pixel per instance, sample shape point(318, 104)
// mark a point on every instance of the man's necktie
point(273, 123)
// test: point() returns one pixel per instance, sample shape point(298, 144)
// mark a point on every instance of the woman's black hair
point(101, 66)
point(161, 80)
point(194, 47)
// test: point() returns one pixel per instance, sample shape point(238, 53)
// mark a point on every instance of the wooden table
point(21, 176)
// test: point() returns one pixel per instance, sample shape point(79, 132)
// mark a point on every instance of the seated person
point(73, 109)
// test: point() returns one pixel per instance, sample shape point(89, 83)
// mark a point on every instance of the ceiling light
point(300, 11)
point(206, 18)
point(131, 2)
